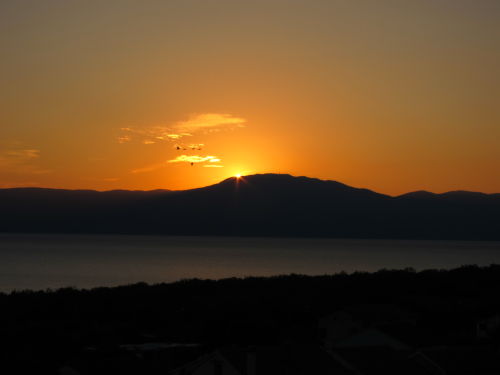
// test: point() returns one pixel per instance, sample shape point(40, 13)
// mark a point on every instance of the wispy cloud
point(176, 136)
point(208, 161)
point(209, 121)
point(124, 139)
point(18, 156)
point(196, 123)
point(21, 161)
point(195, 159)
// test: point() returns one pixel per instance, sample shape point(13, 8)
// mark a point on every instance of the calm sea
point(84, 261)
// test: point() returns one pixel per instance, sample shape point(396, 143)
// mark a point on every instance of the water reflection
point(52, 261)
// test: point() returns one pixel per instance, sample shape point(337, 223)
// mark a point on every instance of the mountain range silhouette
point(256, 205)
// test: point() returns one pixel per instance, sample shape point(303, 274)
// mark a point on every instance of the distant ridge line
point(229, 179)
point(255, 205)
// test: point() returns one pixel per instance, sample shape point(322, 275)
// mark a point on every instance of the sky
point(394, 96)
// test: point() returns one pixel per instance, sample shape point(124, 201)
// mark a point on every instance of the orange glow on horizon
point(187, 95)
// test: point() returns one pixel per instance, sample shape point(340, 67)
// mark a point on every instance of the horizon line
point(247, 176)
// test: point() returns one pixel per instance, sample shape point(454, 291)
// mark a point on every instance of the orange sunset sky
point(393, 96)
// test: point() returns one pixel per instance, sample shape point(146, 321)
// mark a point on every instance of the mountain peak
point(255, 205)
point(278, 178)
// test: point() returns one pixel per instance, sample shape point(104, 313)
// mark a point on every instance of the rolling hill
point(257, 205)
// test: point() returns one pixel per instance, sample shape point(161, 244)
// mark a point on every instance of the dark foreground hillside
point(404, 322)
point(258, 205)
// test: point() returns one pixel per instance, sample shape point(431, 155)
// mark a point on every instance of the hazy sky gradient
point(389, 95)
